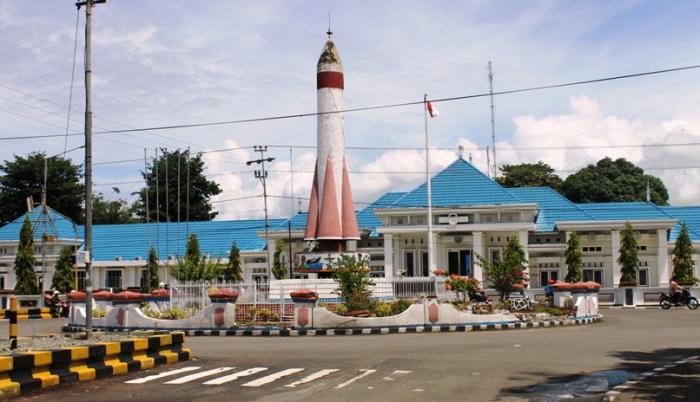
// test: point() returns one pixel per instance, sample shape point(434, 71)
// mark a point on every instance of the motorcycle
point(684, 298)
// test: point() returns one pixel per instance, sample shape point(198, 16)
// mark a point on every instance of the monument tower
point(331, 220)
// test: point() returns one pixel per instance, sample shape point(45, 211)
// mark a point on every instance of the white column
point(388, 255)
point(478, 249)
point(522, 238)
point(615, 247)
point(662, 258)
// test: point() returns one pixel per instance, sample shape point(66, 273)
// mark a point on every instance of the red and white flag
point(432, 110)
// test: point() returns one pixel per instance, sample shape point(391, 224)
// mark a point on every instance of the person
point(676, 291)
point(549, 291)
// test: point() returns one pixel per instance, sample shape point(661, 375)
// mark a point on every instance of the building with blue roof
point(472, 216)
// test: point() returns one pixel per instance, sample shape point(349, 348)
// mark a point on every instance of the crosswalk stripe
point(162, 375)
point(235, 376)
point(365, 373)
point(197, 376)
point(272, 377)
point(312, 377)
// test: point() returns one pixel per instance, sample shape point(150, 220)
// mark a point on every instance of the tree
point(537, 174)
point(233, 272)
point(25, 276)
point(613, 180)
point(278, 269)
point(63, 276)
point(628, 259)
point(200, 189)
point(683, 257)
point(194, 267)
point(152, 270)
point(24, 177)
point(352, 275)
point(574, 259)
point(107, 212)
point(507, 271)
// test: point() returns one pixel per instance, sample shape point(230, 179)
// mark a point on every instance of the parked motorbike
point(683, 299)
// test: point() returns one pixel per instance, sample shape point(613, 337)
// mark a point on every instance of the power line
point(376, 107)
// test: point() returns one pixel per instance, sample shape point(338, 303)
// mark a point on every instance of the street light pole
point(89, 4)
point(262, 176)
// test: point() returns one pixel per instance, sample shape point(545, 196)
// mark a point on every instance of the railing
point(275, 298)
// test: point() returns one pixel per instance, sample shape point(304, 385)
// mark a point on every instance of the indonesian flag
point(432, 111)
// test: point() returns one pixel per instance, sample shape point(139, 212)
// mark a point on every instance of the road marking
point(162, 375)
point(397, 373)
point(197, 376)
point(272, 377)
point(235, 376)
point(365, 373)
point(312, 377)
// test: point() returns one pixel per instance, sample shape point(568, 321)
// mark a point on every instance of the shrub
point(99, 313)
point(253, 312)
point(175, 313)
point(264, 314)
point(553, 311)
point(352, 275)
point(399, 306)
point(341, 309)
point(382, 309)
point(274, 317)
point(507, 271)
point(462, 286)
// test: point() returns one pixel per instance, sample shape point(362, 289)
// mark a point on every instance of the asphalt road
point(533, 364)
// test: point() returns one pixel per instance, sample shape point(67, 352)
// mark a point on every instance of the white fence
point(196, 295)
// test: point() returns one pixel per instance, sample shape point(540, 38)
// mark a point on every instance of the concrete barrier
point(24, 372)
point(38, 313)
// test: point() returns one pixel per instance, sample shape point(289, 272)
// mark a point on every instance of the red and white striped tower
point(331, 220)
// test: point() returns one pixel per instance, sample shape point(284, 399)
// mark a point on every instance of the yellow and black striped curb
point(38, 313)
point(24, 372)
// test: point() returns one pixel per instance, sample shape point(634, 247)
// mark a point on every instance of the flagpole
point(429, 192)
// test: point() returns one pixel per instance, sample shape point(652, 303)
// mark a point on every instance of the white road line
point(235, 376)
point(400, 372)
point(312, 377)
point(365, 373)
point(272, 377)
point(197, 376)
point(161, 375)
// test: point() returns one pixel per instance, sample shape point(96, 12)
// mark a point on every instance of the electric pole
point(89, 4)
point(262, 176)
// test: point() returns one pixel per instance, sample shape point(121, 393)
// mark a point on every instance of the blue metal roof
point(215, 238)
point(688, 215)
point(367, 219)
point(553, 207)
point(459, 184)
point(64, 227)
point(624, 211)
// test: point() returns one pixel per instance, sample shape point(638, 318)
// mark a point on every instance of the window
point(81, 280)
point(545, 276)
point(642, 248)
point(643, 277)
point(144, 279)
point(593, 275)
point(494, 255)
point(2, 281)
point(114, 279)
point(425, 264)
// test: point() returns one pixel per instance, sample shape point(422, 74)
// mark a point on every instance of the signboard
point(321, 261)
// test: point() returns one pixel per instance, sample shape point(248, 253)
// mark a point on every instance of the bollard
point(13, 322)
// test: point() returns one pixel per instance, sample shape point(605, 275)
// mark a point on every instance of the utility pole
point(88, 160)
point(493, 124)
point(262, 176)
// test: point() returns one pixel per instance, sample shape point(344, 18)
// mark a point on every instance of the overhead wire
point(375, 107)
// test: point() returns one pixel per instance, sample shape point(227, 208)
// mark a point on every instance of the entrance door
point(425, 264)
point(459, 262)
point(410, 263)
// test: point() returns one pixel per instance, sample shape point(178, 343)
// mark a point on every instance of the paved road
point(505, 366)
point(33, 327)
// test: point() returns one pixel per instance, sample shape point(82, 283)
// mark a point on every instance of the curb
point(616, 391)
point(38, 313)
point(28, 371)
point(365, 331)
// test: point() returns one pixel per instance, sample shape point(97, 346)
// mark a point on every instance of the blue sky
point(169, 62)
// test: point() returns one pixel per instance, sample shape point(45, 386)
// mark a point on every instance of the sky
point(169, 62)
